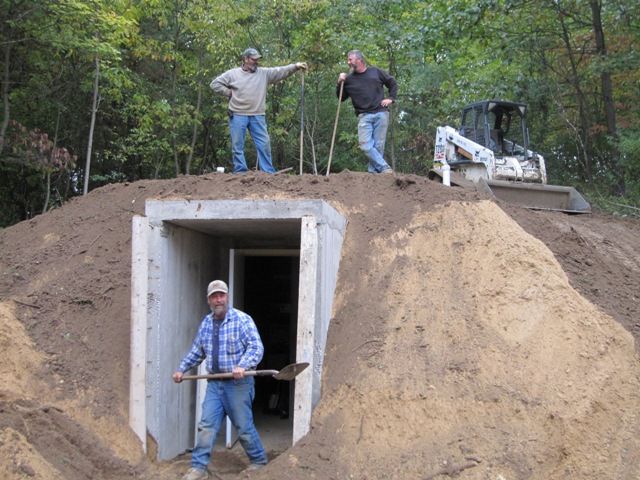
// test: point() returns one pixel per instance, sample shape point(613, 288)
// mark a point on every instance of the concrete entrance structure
point(177, 248)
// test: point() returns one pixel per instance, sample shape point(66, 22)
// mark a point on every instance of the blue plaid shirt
point(239, 344)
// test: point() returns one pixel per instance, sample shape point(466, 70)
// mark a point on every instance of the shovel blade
point(291, 371)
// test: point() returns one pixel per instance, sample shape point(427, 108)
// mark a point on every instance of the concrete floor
point(276, 433)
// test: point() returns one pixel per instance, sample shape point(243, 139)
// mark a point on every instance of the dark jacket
point(366, 90)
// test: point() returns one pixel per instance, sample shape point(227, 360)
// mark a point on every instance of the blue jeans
point(257, 126)
point(232, 398)
point(372, 134)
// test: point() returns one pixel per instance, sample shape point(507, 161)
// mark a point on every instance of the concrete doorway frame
point(177, 247)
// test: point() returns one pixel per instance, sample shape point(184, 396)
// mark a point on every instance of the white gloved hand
point(301, 66)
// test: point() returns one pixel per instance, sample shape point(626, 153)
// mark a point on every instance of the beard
point(250, 68)
point(219, 310)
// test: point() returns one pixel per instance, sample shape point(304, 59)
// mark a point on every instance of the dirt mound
point(476, 358)
point(599, 253)
point(459, 346)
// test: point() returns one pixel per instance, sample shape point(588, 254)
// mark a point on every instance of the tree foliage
point(574, 62)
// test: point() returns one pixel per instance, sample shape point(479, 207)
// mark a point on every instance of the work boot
point(196, 474)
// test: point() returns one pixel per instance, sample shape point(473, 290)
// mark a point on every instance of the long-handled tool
point(287, 373)
point(301, 120)
point(335, 127)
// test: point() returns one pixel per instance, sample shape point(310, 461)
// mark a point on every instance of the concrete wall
point(181, 264)
point(329, 251)
point(180, 260)
point(139, 314)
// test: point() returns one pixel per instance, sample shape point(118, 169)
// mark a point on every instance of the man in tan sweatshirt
point(246, 89)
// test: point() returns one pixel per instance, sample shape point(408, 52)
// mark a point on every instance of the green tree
point(124, 84)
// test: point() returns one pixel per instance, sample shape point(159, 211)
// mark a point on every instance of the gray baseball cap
point(217, 286)
point(251, 52)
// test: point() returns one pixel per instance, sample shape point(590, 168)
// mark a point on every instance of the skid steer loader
point(491, 149)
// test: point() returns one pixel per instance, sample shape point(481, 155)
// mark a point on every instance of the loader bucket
point(537, 196)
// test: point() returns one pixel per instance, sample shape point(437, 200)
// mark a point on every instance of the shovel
point(287, 373)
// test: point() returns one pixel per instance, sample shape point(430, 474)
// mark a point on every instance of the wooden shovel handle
point(220, 376)
point(335, 128)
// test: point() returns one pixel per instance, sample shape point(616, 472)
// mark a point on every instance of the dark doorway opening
point(270, 296)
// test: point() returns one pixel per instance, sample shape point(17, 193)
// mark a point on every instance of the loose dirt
point(470, 339)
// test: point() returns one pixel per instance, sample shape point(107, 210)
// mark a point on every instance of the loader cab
point(497, 125)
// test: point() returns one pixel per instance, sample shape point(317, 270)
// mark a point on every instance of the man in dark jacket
point(365, 86)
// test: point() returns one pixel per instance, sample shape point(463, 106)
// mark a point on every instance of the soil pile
point(461, 346)
point(477, 358)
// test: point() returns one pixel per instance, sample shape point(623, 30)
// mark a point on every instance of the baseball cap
point(251, 52)
point(217, 286)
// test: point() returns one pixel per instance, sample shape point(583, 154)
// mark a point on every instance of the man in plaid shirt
point(229, 341)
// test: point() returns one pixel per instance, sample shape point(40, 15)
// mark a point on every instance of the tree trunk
point(607, 97)
point(580, 98)
point(392, 122)
point(196, 114)
point(605, 76)
point(94, 110)
point(48, 194)
point(312, 133)
point(49, 167)
point(5, 95)
point(205, 147)
point(194, 135)
point(174, 84)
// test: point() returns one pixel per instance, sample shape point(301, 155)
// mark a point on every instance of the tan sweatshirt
point(247, 92)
